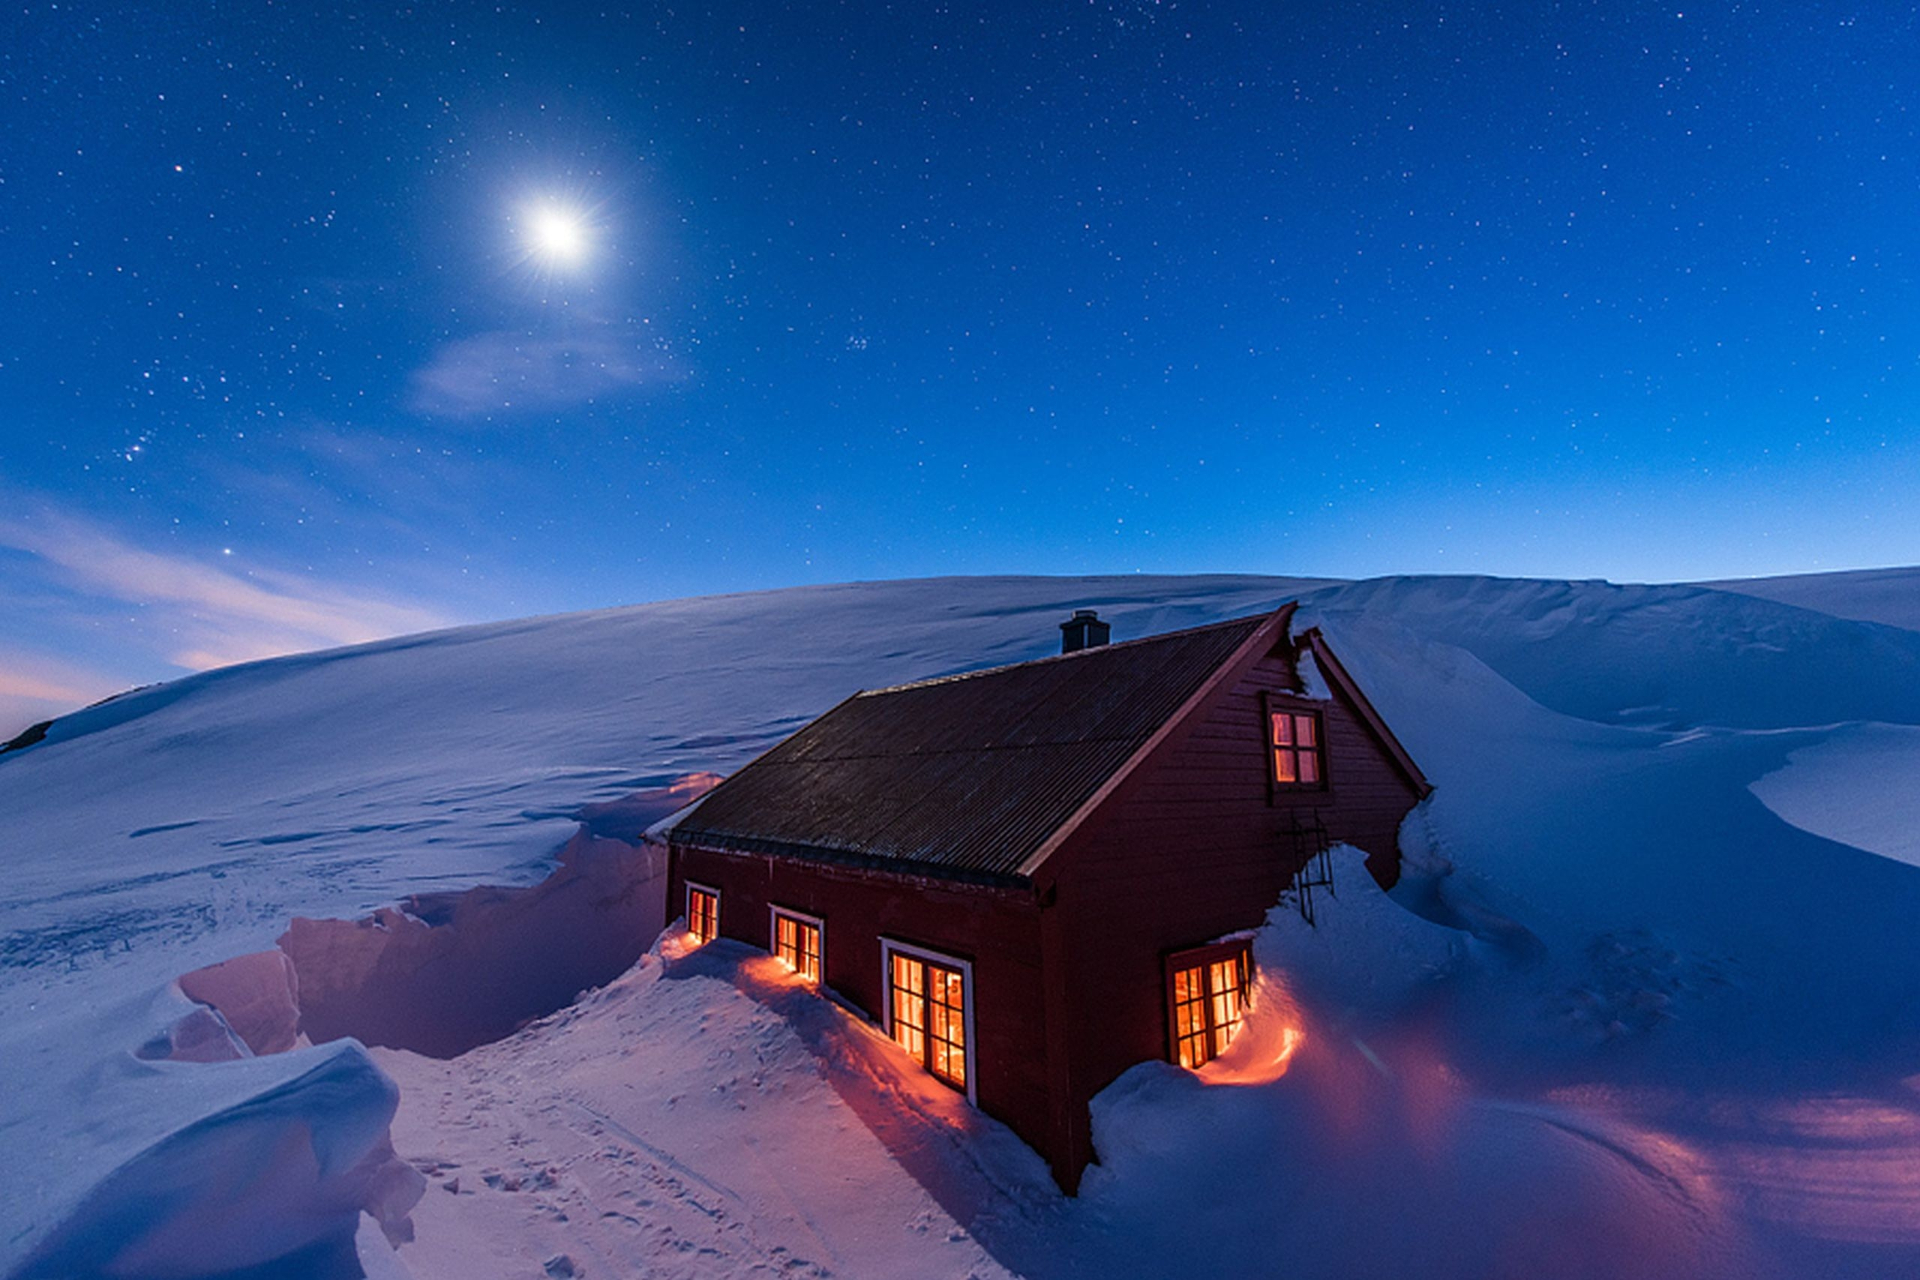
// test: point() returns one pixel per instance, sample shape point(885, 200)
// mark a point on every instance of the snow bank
point(1860, 786)
point(459, 970)
point(1662, 896)
point(1370, 1154)
point(256, 995)
point(706, 1115)
point(279, 1179)
point(1349, 1168)
point(1635, 947)
point(276, 1162)
point(709, 1115)
point(1665, 657)
point(1890, 596)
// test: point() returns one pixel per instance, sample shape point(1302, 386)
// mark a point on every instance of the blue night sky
point(319, 328)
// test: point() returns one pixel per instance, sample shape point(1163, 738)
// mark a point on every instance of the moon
point(558, 235)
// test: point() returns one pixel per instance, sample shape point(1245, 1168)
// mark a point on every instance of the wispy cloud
point(198, 614)
point(36, 686)
point(507, 371)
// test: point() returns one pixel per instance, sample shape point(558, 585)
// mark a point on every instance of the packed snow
point(1859, 785)
point(1644, 1004)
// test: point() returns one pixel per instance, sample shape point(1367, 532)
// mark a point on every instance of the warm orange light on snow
point(796, 943)
point(1290, 1040)
point(772, 973)
point(1267, 1032)
point(1209, 997)
point(1259, 1055)
point(703, 913)
point(694, 785)
point(678, 944)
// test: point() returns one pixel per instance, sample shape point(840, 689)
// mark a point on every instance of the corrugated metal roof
point(966, 775)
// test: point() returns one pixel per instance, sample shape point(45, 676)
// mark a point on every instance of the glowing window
point(1297, 748)
point(703, 912)
point(796, 942)
point(927, 1012)
point(1206, 999)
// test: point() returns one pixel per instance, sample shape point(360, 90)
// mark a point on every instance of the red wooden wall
point(997, 930)
point(1190, 847)
point(1068, 975)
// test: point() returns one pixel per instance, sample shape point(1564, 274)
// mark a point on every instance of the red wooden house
point(1023, 873)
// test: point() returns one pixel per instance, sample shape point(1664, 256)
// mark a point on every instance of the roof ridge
point(1227, 664)
point(982, 749)
point(1092, 650)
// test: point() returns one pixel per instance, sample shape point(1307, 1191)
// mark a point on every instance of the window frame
point(1203, 958)
point(889, 947)
point(1270, 706)
point(774, 912)
point(692, 887)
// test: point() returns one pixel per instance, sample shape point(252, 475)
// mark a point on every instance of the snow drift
point(276, 1180)
point(1641, 988)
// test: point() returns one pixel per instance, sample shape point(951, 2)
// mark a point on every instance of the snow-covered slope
point(1635, 926)
point(1890, 596)
point(1859, 785)
point(708, 1116)
point(333, 782)
point(186, 823)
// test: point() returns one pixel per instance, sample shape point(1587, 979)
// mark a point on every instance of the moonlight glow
point(558, 236)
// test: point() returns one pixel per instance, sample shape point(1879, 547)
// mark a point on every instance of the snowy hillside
point(1869, 595)
point(1664, 894)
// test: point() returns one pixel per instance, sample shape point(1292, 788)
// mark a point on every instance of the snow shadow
point(980, 1174)
point(272, 1186)
point(275, 1185)
point(444, 973)
point(449, 972)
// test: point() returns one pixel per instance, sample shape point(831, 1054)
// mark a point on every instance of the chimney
point(1083, 631)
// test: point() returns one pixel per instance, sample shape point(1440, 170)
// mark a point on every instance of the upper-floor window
point(703, 912)
point(1297, 748)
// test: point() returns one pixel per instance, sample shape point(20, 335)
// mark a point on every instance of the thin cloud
point(506, 371)
point(200, 615)
point(37, 677)
point(36, 686)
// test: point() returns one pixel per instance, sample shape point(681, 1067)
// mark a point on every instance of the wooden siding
point(1191, 848)
point(970, 773)
point(996, 930)
point(1069, 970)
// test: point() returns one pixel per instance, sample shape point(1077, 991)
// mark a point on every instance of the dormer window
point(1297, 749)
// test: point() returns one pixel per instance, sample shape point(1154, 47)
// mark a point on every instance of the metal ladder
point(1306, 839)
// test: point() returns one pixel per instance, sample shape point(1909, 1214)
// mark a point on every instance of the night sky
point(322, 325)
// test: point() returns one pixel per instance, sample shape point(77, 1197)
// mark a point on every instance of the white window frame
point(1272, 705)
point(686, 904)
point(887, 948)
point(774, 912)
